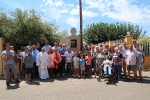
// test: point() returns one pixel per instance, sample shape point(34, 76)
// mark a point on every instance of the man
point(38, 47)
point(60, 45)
point(69, 56)
point(42, 64)
point(93, 54)
point(62, 52)
point(23, 54)
point(8, 57)
point(28, 60)
point(47, 46)
point(122, 51)
point(56, 46)
point(35, 68)
point(131, 58)
point(125, 46)
point(29, 45)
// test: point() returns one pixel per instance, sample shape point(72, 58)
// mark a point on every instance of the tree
point(101, 32)
point(20, 26)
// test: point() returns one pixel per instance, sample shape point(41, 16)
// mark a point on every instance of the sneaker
point(141, 79)
point(7, 83)
point(18, 81)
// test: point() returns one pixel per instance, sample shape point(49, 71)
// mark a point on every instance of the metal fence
point(146, 48)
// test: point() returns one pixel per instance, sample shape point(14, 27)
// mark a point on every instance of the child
point(28, 61)
point(82, 66)
point(107, 65)
point(76, 64)
point(88, 59)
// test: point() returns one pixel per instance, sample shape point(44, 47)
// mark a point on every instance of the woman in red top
point(89, 63)
point(56, 59)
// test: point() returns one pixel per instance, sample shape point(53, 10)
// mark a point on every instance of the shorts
point(28, 70)
point(82, 68)
point(76, 66)
point(88, 67)
point(132, 67)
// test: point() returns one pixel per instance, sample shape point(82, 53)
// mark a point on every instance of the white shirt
point(69, 56)
point(107, 63)
point(76, 60)
point(49, 60)
point(46, 47)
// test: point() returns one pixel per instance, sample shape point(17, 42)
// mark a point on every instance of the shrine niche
point(73, 41)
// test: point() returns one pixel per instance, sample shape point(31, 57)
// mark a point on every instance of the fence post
point(2, 42)
point(110, 43)
point(128, 39)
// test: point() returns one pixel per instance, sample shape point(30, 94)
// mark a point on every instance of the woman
point(56, 59)
point(141, 57)
point(111, 52)
point(19, 58)
point(118, 62)
point(100, 57)
point(49, 61)
point(106, 50)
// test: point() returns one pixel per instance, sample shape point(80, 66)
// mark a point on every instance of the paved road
point(77, 89)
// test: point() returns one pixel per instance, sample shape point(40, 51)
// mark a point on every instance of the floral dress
point(100, 59)
point(140, 60)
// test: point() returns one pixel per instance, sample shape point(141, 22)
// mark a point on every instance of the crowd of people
point(36, 62)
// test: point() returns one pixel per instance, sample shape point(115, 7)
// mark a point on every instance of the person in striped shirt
point(118, 62)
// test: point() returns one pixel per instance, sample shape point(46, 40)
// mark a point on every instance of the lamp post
point(80, 10)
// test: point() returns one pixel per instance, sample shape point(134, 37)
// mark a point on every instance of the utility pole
point(80, 10)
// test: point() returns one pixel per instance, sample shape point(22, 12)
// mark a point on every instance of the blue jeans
point(118, 71)
point(107, 69)
point(68, 69)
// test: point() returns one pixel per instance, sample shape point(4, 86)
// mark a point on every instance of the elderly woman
point(56, 59)
point(118, 62)
point(140, 65)
point(100, 57)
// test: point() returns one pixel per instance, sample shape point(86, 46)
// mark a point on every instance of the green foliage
point(20, 26)
point(101, 32)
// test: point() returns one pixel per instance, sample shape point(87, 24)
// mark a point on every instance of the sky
point(66, 12)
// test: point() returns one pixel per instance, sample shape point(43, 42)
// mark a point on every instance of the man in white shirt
point(69, 56)
point(47, 46)
point(29, 45)
point(56, 46)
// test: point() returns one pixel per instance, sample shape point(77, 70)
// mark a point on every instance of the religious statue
point(73, 31)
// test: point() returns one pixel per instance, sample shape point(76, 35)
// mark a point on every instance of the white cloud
point(44, 10)
point(58, 3)
point(72, 22)
point(85, 13)
point(41, 5)
point(122, 10)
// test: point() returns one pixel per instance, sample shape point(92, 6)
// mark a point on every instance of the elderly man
point(42, 64)
point(62, 52)
point(69, 56)
point(56, 46)
point(8, 57)
point(35, 52)
point(131, 58)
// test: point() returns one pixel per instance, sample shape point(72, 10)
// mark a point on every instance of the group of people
point(46, 62)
